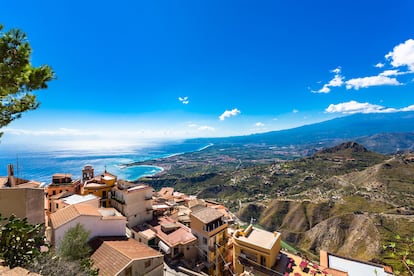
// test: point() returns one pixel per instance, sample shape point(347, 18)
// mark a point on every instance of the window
point(128, 271)
point(204, 240)
point(57, 206)
point(263, 260)
point(147, 263)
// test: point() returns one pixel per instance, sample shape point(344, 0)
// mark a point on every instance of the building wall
point(59, 204)
point(102, 192)
point(54, 189)
point(23, 203)
point(207, 241)
point(254, 253)
point(153, 266)
point(98, 228)
point(135, 205)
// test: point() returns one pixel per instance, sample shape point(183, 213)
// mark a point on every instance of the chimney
point(10, 174)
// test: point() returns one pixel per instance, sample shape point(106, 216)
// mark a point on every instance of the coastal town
point(134, 230)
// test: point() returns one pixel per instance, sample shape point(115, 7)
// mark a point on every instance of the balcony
point(119, 200)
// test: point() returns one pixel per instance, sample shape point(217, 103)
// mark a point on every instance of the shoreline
point(162, 168)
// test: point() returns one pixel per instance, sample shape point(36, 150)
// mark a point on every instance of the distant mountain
point(382, 132)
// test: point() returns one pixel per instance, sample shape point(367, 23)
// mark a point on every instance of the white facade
point(134, 203)
point(109, 223)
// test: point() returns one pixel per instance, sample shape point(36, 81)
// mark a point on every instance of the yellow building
point(255, 248)
point(100, 185)
point(210, 228)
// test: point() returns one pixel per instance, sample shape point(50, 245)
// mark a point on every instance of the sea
point(40, 165)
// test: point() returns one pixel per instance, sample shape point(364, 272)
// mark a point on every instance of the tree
point(18, 78)
point(74, 243)
point(49, 264)
point(20, 242)
point(402, 250)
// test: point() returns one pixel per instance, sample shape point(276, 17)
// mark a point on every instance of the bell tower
point(87, 173)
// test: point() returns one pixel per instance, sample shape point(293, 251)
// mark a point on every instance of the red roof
point(181, 235)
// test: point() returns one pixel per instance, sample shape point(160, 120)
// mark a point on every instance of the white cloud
point(408, 108)
point(229, 113)
point(337, 81)
point(396, 72)
point(208, 128)
point(365, 82)
point(403, 55)
point(295, 111)
point(352, 107)
point(192, 125)
point(184, 100)
point(337, 70)
point(259, 124)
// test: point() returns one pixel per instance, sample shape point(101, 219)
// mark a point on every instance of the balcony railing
point(121, 201)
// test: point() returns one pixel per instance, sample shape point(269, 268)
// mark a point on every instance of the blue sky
point(139, 71)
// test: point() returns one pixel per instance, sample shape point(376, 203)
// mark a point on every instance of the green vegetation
point(74, 244)
point(20, 242)
point(401, 250)
point(18, 78)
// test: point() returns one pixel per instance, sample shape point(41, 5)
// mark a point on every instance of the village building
point(65, 199)
point(22, 198)
point(123, 256)
point(343, 266)
point(255, 249)
point(174, 239)
point(61, 184)
point(98, 221)
point(133, 201)
point(208, 225)
point(100, 185)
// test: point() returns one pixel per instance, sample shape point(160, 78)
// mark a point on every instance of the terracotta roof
point(61, 175)
point(17, 271)
point(112, 256)
point(207, 214)
point(166, 192)
point(63, 216)
point(4, 181)
point(181, 235)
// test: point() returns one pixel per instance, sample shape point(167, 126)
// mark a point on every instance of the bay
point(40, 165)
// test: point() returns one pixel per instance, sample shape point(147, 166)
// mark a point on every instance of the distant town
point(135, 230)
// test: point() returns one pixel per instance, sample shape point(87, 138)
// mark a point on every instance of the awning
point(164, 247)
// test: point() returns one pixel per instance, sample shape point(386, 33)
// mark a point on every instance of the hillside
point(344, 199)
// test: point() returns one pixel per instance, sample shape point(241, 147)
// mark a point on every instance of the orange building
point(61, 183)
point(100, 185)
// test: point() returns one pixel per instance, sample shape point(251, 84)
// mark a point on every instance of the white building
point(134, 202)
point(100, 222)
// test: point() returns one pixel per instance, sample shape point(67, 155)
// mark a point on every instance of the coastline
point(161, 166)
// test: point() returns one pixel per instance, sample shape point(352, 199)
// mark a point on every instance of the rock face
point(350, 235)
point(314, 226)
